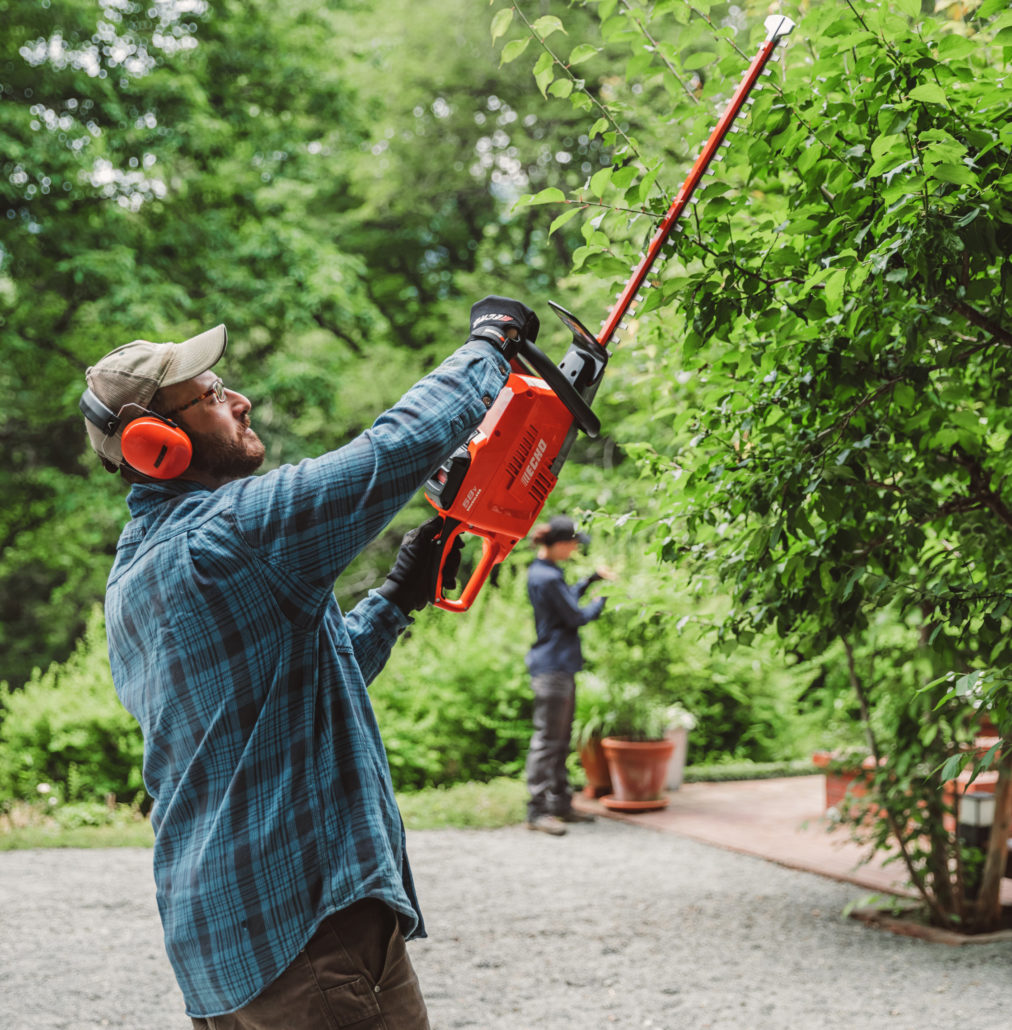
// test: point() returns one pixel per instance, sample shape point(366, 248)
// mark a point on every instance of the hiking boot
point(573, 816)
point(547, 824)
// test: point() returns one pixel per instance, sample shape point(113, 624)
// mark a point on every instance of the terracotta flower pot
point(639, 770)
point(595, 768)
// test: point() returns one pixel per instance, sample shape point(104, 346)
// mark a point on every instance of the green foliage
point(500, 802)
point(66, 735)
point(626, 710)
point(836, 317)
point(656, 635)
point(454, 701)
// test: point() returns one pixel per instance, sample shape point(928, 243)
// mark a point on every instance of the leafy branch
point(688, 90)
point(540, 30)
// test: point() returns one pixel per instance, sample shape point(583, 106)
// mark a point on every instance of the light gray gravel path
point(610, 926)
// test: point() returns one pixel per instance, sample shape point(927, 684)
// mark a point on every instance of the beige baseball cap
point(135, 372)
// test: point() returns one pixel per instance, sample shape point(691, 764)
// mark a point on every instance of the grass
point(94, 825)
point(484, 806)
point(78, 824)
point(501, 802)
point(748, 771)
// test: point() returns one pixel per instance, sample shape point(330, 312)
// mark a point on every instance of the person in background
point(280, 863)
point(553, 662)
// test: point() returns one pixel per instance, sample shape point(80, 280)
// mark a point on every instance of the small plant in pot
point(638, 749)
point(592, 720)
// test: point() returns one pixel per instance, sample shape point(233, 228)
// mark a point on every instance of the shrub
point(454, 701)
point(67, 731)
point(653, 632)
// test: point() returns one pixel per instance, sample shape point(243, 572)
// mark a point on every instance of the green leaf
point(501, 22)
point(544, 77)
point(646, 185)
point(598, 127)
point(561, 87)
point(931, 93)
point(889, 152)
point(582, 53)
point(953, 46)
point(953, 767)
point(559, 221)
point(833, 293)
point(700, 59)
point(551, 195)
point(513, 49)
point(600, 181)
point(955, 173)
point(548, 24)
point(543, 62)
point(623, 177)
point(904, 396)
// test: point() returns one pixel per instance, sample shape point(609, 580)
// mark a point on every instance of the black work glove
point(410, 584)
point(504, 323)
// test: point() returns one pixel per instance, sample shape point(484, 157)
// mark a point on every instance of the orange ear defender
point(152, 444)
point(156, 447)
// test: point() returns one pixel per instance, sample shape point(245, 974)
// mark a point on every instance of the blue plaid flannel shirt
point(273, 804)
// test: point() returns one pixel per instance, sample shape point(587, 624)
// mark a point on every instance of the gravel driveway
point(610, 926)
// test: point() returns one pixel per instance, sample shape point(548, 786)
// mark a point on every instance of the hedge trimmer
point(496, 484)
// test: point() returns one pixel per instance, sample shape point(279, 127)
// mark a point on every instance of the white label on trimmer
point(532, 465)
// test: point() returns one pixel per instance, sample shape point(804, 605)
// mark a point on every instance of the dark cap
point(561, 528)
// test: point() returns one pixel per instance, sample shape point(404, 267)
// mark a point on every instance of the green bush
point(654, 632)
point(454, 701)
point(67, 732)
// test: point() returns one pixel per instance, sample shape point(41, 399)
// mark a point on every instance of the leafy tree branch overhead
point(838, 306)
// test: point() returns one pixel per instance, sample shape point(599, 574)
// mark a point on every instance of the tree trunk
point(987, 916)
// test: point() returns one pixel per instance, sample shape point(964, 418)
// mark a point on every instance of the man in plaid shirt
point(282, 879)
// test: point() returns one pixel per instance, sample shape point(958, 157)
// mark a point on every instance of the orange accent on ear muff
point(159, 449)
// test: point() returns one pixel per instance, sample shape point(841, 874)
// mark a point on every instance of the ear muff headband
point(152, 444)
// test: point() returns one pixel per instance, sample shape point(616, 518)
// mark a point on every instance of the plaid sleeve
point(315, 517)
point(374, 625)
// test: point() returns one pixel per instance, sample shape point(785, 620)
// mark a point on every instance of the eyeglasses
point(217, 388)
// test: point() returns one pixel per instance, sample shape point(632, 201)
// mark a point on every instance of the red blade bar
point(777, 28)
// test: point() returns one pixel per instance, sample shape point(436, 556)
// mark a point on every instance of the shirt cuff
point(486, 349)
point(388, 617)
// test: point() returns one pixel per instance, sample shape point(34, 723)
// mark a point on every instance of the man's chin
point(234, 460)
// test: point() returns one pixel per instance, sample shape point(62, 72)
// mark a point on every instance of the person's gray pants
point(547, 781)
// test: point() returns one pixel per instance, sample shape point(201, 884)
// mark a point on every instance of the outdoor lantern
point(976, 814)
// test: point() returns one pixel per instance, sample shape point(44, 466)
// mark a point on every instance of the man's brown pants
point(354, 973)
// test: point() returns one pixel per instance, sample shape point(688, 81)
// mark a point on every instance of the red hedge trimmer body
point(497, 484)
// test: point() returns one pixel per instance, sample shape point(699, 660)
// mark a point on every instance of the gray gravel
point(611, 926)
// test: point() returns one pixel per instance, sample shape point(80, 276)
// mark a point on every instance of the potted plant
point(637, 749)
point(591, 721)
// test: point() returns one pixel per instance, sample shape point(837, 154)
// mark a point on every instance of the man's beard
point(226, 459)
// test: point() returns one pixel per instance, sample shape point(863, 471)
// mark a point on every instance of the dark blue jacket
point(557, 618)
